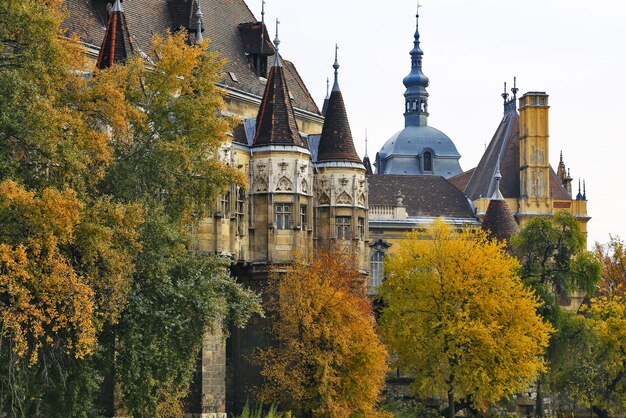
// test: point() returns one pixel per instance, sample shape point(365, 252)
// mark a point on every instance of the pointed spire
point(584, 190)
point(325, 105)
point(416, 96)
point(499, 221)
point(262, 25)
point(336, 144)
point(336, 67)
point(199, 29)
point(276, 120)
point(276, 44)
point(366, 160)
point(579, 196)
point(497, 195)
point(116, 45)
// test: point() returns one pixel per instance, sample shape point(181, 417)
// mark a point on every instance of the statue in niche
point(304, 186)
point(284, 185)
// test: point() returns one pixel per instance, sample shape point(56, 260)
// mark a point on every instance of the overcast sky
point(573, 50)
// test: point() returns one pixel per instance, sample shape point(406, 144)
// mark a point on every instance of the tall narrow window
point(376, 270)
point(361, 226)
point(283, 216)
point(239, 210)
point(428, 161)
point(303, 223)
point(225, 204)
point(343, 227)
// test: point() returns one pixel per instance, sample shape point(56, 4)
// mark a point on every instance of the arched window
point(376, 270)
point(428, 161)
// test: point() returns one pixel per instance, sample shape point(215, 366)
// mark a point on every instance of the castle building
point(307, 186)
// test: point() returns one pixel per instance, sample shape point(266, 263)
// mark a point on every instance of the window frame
point(342, 224)
point(282, 216)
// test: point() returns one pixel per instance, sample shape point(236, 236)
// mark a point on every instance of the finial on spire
point(505, 95)
point(276, 43)
point(366, 142)
point(584, 190)
point(199, 15)
point(561, 157)
point(497, 195)
point(117, 7)
point(263, 11)
point(327, 88)
point(514, 90)
point(336, 67)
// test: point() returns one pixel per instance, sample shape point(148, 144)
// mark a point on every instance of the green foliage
point(553, 260)
point(261, 412)
point(97, 267)
point(401, 407)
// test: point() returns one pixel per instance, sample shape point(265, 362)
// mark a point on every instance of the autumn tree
point(612, 258)
point(327, 359)
point(460, 320)
point(102, 179)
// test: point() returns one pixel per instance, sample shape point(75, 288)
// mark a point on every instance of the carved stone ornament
point(304, 186)
point(324, 199)
point(344, 199)
point(260, 185)
point(284, 185)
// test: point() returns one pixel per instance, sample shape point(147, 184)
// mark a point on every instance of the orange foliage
point(328, 359)
point(42, 298)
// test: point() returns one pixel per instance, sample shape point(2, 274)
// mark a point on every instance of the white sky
point(573, 50)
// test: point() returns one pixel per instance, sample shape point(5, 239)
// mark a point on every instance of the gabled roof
point(503, 150)
point(276, 121)
point(336, 143)
point(221, 26)
point(424, 195)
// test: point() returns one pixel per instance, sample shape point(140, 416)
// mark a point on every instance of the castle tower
point(280, 178)
point(418, 148)
point(534, 154)
point(116, 46)
point(341, 209)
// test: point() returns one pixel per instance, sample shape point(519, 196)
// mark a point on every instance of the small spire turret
point(116, 45)
point(276, 44)
point(336, 67)
point(416, 96)
point(497, 195)
point(199, 14)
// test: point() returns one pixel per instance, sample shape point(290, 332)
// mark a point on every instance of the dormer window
point(102, 9)
point(259, 64)
point(428, 161)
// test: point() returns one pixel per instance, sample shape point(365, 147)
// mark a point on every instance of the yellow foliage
point(329, 359)
point(42, 298)
point(459, 318)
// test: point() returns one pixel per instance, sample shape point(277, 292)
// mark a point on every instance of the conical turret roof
point(276, 120)
point(499, 221)
point(336, 143)
point(116, 46)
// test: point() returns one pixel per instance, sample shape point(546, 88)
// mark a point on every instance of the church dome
point(418, 148)
point(406, 152)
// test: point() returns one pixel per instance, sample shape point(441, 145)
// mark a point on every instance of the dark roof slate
point(256, 39)
point(221, 26)
point(460, 180)
point(424, 195)
point(503, 148)
point(499, 221)
point(276, 121)
point(336, 143)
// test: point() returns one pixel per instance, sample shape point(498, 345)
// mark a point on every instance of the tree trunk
point(601, 413)
point(539, 401)
point(451, 408)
